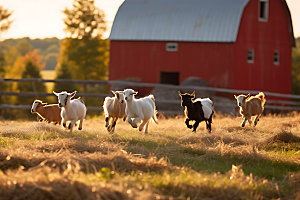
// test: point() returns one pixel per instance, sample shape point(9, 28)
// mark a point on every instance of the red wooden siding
point(219, 64)
point(210, 61)
point(265, 38)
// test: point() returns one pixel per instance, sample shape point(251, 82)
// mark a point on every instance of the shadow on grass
point(202, 160)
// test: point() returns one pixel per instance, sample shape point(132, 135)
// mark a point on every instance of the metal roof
point(178, 20)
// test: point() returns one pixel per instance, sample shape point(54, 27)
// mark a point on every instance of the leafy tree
point(31, 70)
point(24, 47)
point(63, 72)
point(51, 61)
point(5, 22)
point(18, 67)
point(84, 50)
point(84, 20)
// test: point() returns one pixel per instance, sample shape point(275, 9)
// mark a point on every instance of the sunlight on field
point(170, 162)
point(48, 74)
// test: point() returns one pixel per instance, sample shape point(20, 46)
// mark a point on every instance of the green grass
point(6, 142)
point(284, 149)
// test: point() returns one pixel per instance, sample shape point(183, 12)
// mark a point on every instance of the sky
point(44, 18)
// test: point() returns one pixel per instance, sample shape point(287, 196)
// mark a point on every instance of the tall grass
point(44, 161)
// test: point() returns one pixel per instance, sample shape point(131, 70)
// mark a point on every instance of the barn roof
point(178, 20)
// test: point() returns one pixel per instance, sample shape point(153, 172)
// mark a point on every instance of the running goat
point(251, 106)
point(48, 112)
point(72, 109)
point(114, 108)
point(197, 109)
point(142, 109)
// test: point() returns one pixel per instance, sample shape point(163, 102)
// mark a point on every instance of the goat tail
point(262, 97)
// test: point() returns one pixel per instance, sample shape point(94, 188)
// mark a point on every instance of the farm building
point(238, 44)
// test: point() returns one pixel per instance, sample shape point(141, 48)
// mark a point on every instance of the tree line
point(82, 54)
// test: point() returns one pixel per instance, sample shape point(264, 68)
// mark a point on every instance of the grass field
point(42, 161)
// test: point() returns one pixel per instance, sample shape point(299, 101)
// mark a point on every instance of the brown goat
point(114, 108)
point(251, 106)
point(49, 113)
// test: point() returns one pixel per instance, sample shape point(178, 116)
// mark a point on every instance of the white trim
point(172, 46)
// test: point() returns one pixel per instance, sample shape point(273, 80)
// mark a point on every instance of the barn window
point(171, 47)
point(276, 58)
point(250, 56)
point(263, 10)
point(169, 78)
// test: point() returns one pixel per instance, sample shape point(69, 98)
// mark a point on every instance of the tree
point(31, 71)
point(19, 65)
point(51, 61)
point(5, 22)
point(63, 72)
point(83, 49)
point(84, 20)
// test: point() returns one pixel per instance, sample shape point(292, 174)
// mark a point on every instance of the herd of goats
point(141, 111)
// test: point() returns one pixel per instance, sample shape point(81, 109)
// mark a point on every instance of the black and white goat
point(197, 110)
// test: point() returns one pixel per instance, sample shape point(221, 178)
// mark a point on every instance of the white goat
point(142, 109)
point(114, 108)
point(48, 112)
point(72, 109)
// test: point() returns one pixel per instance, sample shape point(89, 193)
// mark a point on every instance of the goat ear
point(179, 93)
point(135, 93)
point(55, 93)
point(73, 94)
point(193, 94)
point(113, 92)
point(44, 104)
point(235, 96)
point(248, 95)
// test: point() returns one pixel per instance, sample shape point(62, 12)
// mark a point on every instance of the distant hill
point(48, 48)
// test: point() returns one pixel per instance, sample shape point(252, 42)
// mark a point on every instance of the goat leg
point(80, 124)
point(256, 119)
point(106, 121)
point(208, 125)
point(188, 124)
point(195, 126)
point(244, 122)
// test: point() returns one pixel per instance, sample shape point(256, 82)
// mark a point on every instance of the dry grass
point(42, 161)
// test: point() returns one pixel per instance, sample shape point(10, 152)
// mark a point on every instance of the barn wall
point(264, 38)
point(210, 61)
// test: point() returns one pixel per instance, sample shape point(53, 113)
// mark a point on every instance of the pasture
point(43, 161)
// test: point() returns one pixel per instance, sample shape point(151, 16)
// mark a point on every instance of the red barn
point(239, 44)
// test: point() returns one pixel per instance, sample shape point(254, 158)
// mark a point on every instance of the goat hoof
point(64, 125)
point(79, 128)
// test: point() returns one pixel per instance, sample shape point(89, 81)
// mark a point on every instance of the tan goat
point(251, 106)
point(48, 112)
point(114, 108)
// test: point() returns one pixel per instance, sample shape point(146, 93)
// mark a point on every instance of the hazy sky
point(43, 18)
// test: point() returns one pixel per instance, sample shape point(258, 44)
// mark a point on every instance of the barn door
point(169, 78)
